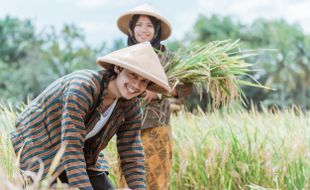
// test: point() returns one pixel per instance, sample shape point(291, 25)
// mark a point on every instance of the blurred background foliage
point(31, 59)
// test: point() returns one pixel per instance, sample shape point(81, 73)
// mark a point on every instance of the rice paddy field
point(223, 150)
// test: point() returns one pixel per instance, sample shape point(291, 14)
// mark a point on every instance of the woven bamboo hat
point(145, 9)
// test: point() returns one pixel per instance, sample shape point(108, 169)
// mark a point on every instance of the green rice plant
point(7, 155)
point(297, 173)
point(216, 66)
point(241, 150)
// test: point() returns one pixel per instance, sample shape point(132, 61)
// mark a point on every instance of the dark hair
point(110, 73)
point(157, 28)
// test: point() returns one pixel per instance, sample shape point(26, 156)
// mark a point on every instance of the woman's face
point(129, 84)
point(144, 29)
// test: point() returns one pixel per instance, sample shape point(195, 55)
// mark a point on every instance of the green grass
point(221, 150)
point(241, 150)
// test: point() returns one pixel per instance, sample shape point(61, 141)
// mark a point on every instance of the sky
point(97, 18)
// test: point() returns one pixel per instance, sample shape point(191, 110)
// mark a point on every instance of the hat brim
point(124, 20)
point(156, 85)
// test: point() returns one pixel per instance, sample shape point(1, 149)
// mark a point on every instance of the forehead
point(139, 77)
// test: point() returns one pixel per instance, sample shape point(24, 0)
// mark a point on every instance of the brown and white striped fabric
point(57, 117)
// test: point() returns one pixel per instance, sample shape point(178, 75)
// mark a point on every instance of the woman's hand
point(182, 90)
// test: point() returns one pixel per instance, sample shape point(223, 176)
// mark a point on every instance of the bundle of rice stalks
point(217, 67)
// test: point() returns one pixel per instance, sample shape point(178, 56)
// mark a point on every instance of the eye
point(150, 25)
point(146, 82)
point(139, 24)
point(133, 75)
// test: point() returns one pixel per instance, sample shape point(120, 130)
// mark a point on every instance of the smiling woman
point(141, 24)
point(82, 111)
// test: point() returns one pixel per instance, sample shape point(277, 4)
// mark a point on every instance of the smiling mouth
point(144, 37)
point(132, 89)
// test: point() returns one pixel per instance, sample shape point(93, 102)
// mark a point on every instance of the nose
point(144, 28)
point(136, 84)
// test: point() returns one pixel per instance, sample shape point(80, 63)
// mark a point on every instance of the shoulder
point(87, 78)
point(83, 82)
point(166, 54)
point(84, 75)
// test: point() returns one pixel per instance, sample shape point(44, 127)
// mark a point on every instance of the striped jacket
point(58, 117)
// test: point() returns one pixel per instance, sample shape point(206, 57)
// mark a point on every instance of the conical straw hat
point(145, 9)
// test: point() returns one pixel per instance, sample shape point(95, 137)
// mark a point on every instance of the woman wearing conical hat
point(82, 111)
point(140, 24)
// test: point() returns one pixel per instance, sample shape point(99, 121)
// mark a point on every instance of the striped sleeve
point(130, 148)
point(76, 105)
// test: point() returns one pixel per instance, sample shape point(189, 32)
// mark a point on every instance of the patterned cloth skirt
point(157, 144)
